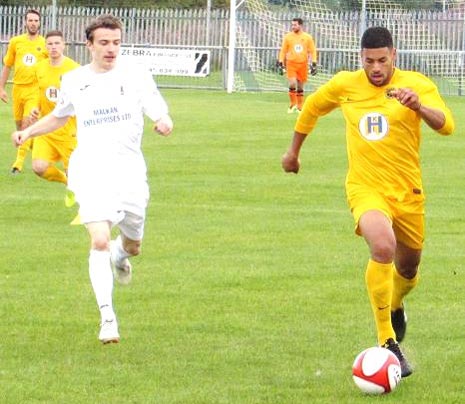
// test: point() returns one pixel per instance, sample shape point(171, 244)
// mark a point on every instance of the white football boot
point(122, 271)
point(109, 332)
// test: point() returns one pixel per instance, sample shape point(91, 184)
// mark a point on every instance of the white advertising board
point(170, 62)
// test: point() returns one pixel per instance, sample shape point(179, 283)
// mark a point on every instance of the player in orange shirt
point(298, 55)
point(23, 52)
point(383, 107)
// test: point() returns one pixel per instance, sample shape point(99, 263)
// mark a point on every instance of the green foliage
point(124, 3)
point(250, 285)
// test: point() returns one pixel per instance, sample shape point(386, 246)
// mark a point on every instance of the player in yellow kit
point(297, 55)
point(23, 52)
point(383, 107)
point(57, 146)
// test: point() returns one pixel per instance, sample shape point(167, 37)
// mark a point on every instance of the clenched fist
point(290, 163)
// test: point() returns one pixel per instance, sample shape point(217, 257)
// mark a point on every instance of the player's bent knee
point(408, 269)
point(40, 172)
point(39, 167)
point(101, 243)
point(383, 251)
point(407, 272)
point(133, 248)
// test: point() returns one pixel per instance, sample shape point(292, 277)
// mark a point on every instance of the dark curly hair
point(376, 37)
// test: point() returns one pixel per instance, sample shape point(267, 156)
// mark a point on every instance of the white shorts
point(107, 192)
point(131, 225)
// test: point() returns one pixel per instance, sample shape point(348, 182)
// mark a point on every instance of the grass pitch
point(250, 287)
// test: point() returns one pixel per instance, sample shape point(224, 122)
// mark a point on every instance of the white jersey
point(108, 166)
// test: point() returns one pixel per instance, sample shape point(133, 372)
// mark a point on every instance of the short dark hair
point(54, 33)
point(32, 11)
point(376, 37)
point(299, 20)
point(103, 21)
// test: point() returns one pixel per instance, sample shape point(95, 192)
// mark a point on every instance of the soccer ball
point(376, 371)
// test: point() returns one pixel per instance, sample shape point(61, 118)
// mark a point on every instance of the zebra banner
point(170, 62)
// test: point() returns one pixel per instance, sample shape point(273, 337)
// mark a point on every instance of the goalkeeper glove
point(313, 69)
point(280, 67)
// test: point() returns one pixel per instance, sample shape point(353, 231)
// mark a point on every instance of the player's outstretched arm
point(290, 160)
point(164, 125)
point(47, 124)
point(433, 117)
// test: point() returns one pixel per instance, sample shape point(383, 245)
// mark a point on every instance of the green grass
point(250, 287)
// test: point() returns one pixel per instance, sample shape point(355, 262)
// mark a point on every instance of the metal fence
point(430, 42)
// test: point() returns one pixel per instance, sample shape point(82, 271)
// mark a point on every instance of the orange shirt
point(298, 48)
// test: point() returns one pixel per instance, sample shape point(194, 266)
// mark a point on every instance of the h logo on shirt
point(373, 126)
point(52, 94)
point(29, 59)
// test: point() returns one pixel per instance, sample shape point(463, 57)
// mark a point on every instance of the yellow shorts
point(297, 71)
point(24, 100)
point(53, 151)
point(406, 216)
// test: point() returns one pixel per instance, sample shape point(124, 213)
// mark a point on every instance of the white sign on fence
point(170, 62)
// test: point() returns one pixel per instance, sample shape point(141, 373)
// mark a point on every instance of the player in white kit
point(107, 170)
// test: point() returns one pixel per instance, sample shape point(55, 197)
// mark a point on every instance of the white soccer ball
point(376, 371)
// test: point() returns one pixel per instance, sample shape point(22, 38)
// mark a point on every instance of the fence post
point(54, 14)
point(363, 18)
point(232, 46)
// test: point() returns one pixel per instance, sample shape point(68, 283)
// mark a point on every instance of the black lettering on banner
point(201, 65)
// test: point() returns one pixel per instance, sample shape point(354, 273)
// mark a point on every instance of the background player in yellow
point(383, 107)
point(298, 55)
point(23, 52)
point(57, 146)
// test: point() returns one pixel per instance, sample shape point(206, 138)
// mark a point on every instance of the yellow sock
point(379, 283)
point(21, 154)
point(54, 174)
point(76, 221)
point(402, 287)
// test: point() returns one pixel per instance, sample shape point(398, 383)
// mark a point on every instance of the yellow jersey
point(383, 137)
point(48, 79)
point(297, 47)
point(22, 54)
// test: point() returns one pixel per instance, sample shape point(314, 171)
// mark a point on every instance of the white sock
point(118, 253)
point(101, 278)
